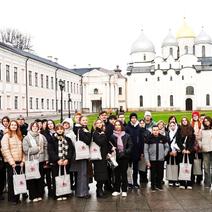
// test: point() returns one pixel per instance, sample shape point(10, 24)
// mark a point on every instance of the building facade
point(29, 85)
point(177, 80)
point(103, 89)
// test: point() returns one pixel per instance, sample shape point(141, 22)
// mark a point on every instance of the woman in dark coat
point(123, 146)
point(81, 166)
point(100, 166)
point(186, 145)
point(60, 152)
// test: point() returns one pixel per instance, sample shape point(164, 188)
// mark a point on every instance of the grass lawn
point(156, 116)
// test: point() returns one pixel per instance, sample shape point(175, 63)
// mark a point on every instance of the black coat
point(137, 140)
point(53, 150)
point(100, 166)
point(127, 143)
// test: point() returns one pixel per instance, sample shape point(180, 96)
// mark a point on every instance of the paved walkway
point(171, 199)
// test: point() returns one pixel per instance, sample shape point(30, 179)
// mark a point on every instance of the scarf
point(135, 125)
point(62, 146)
point(172, 137)
point(70, 134)
point(33, 138)
point(119, 135)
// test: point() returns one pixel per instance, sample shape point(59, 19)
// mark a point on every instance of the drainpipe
point(56, 90)
point(27, 95)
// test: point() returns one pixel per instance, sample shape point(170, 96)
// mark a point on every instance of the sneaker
point(39, 198)
point(130, 186)
point(159, 187)
point(177, 184)
point(59, 199)
point(35, 200)
point(124, 194)
point(182, 187)
point(136, 186)
point(171, 184)
point(115, 193)
point(64, 198)
point(153, 188)
point(189, 187)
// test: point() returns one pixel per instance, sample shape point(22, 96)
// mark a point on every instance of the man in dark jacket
point(134, 130)
point(23, 125)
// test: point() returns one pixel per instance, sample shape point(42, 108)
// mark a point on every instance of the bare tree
point(16, 39)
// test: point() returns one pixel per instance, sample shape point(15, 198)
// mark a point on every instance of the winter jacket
point(38, 152)
point(137, 139)
point(127, 143)
point(12, 149)
point(53, 150)
point(156, 148)
point(206, 140)
point(100, 166)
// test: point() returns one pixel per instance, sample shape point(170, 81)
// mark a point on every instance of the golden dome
point(185, 31)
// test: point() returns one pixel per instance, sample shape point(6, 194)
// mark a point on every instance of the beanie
point(147, 113)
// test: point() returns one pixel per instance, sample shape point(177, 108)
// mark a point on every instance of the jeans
point(207, 161)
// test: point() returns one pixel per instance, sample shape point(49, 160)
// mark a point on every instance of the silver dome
point(203, 38)
point(142, 44)
point(169, 40)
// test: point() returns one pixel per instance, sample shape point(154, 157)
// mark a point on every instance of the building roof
point(205, 60)
point(169, 40)
point(142, 44)
point(35, 57)
point(203, 38)
point(185, 31)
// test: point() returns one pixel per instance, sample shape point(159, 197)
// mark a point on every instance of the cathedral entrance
point(96, 106)
point(188, 103)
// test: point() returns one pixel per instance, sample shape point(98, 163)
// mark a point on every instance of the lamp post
point(69, 101)
point(62, 85)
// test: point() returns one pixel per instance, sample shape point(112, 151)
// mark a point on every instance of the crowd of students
point(134, 143)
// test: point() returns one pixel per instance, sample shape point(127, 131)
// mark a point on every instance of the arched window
point(159, 100)
point(194, 50)
point(207, 100)
point(171, 79)
point(186, 49)
point(141, 101)
point(95, 91)
point(203, 51)
point(144, 57)
point(171, 51)
point(182, 77)
point(146, 79)
point(158, 79)
point(170, 66)
point(158, 66)
point(171, 101)
point(189, 90)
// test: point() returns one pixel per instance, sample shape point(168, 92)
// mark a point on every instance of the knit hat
point(195, 113)
point(69, 121)
point(147, 113)
point(133, 114)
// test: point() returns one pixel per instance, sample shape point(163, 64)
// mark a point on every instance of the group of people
point(131, 144)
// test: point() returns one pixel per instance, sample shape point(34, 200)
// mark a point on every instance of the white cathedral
point(180, 79)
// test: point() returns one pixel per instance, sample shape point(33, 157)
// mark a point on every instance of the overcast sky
point(100, 32)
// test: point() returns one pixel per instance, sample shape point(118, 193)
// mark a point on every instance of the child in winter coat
point(155, 150)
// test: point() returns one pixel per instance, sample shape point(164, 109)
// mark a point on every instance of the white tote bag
point(185, 169)
point(32, 169)
point(63, 185)
point(197, 166)
point(95, 151)
point(81, 149)
point(172, 170)
point(19, 183)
